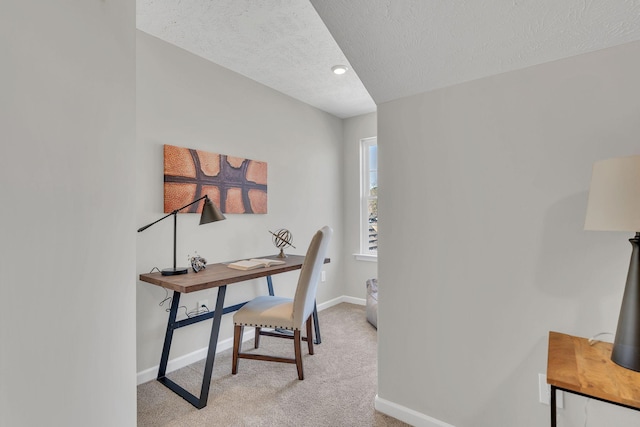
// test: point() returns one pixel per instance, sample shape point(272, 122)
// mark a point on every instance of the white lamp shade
point(614, 195)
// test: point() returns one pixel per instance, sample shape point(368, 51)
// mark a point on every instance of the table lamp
point(614, 205)
point(210, 213)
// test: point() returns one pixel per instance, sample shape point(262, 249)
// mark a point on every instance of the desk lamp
point(614, 205)
point(210, 213)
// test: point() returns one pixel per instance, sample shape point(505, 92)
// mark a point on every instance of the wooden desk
point(576, 367)
point(214, 276)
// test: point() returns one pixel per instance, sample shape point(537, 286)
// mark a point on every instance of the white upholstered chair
point(284, 313)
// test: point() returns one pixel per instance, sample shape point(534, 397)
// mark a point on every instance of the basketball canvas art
point(234, 184)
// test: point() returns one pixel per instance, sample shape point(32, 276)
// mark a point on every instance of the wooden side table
point(575, 366)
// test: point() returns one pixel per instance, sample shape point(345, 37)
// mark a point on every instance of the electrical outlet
point(323, 276)
point(544, 392)
point(201, 303)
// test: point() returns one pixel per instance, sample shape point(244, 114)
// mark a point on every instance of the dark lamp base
point(626, 356)
point(626, 346)
point(174, 271)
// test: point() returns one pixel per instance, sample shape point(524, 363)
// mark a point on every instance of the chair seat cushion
point(266, 312)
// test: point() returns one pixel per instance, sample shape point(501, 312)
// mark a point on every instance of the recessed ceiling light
point(339, 69)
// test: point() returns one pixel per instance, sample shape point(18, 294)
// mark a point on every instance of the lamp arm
point(149, 225)
point(186, 206)
point(172, 213)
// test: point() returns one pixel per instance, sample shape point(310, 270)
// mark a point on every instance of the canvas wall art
point(234, 184)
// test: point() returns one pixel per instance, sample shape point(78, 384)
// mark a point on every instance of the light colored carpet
point(338, 390)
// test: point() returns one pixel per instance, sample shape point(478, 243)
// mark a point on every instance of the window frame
point(366, 254)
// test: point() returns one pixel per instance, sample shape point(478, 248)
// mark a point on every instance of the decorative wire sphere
point(282, 238)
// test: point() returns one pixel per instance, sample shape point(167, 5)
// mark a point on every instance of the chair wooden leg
point(237, 340)
point(257, 340)
point(309, 336)
point(298, 350)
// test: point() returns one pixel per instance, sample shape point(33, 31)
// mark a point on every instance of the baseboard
point(188, 359)
point(343, 298)
point(407, 415)
point(193, 357)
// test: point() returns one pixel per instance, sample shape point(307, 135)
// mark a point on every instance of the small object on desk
point(197, 263)
point(282, 239)
point(254, 263)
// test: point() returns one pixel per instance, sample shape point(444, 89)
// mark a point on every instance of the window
point(369, 198)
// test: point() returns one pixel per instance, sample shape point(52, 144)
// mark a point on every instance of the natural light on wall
point(368, 199)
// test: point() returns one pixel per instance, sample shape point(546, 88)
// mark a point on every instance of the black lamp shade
point(210, 212)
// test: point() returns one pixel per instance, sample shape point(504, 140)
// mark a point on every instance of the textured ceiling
point(282, 44)
point(396, 48)
point(405, 47)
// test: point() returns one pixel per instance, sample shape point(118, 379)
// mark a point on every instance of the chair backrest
point(303, 301)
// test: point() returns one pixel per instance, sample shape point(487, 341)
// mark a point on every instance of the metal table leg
point(168, 337)
point(552, 404)
point(316, 324)
point(213, 343)
point(270, 285)
point(198, 402)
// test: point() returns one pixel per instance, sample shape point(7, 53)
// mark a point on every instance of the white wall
point(186, 101)
point(483, 190)
point(67, 269)
point(356, 272)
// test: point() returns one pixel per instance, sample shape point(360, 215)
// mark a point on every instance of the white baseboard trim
point(407, 415)
point(343, 298)
point(188, 359)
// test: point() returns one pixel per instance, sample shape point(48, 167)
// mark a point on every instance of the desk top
point(220, 274)
point(575, 365)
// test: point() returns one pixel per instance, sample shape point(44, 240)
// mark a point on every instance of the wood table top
point(215, 275)
point(573, 364)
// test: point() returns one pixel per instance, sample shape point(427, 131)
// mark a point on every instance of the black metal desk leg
point(162, 370)
point(213, 344)
point(316, 324)
point(270, 285)
point(552, 403)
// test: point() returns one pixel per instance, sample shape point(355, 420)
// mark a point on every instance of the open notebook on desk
point(250, 264)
